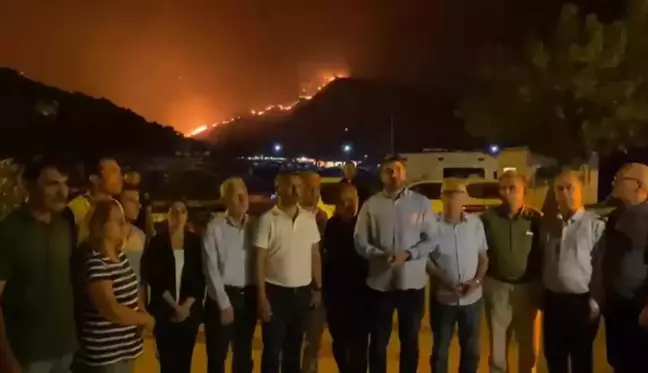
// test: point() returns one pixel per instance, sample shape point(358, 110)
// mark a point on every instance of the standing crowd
point(81, 283)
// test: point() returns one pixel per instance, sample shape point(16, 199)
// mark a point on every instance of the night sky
point(190, 62)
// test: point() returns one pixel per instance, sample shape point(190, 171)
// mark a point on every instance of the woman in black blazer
point(171, 267)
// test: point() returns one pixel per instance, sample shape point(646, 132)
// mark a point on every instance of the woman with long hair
point(172, 267)
point(113, 315)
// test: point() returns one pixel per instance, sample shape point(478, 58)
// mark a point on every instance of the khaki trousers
point(511, 310)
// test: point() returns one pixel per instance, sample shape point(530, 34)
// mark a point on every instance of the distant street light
point(277, 148)
point(494, 149)
point(347, 148)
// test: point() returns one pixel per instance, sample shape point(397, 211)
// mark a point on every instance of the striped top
point(104, 342)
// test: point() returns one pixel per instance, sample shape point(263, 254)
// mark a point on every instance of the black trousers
point(349, 329)
point(284, 333)
point(410, 305)
point(569, 332)
point(626, 341)
point(239, 334)
point(175, 344)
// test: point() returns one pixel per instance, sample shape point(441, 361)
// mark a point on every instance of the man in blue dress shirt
point(394, 232)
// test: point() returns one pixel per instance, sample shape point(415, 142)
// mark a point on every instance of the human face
point(349, 171)
point(237, 201)
point(310, 193)
point(116, 229)
point(347, 204)
point(393, 175)
point(569, 193)
point(178, 215)
point(110, 177)
point(50, 190)
point(453, 201)
point(625, 187)
point(289, 190)
point(511, 191)
point(130, 200)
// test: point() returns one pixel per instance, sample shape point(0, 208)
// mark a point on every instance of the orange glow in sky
point(307, 93)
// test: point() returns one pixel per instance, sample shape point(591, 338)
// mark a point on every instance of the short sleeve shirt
point(289, 243)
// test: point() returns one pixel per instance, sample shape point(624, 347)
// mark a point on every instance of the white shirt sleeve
point(263, 229)
point(210, 267)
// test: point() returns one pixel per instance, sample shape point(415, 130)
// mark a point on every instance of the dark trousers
point(239, 334)
point(410, 306)
point(284, 333)
point(349, 329)
point(468, 321)
point(175, 344)
point(626, 341)
point(569, 332)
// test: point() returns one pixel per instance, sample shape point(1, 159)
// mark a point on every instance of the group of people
point(80, 283)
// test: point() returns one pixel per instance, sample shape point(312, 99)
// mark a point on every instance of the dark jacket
point(345, 271)
point(158, 271)
point(625, 244)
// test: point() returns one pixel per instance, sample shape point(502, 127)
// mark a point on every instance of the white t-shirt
point(179, 257)
point(288, 245)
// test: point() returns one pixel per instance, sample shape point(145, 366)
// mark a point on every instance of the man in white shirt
point(230, 307)
point(288, 275)
point(571, 317)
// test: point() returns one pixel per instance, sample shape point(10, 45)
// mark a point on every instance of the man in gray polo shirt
point(458, 265)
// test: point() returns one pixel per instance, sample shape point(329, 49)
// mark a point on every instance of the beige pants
point(511, 310)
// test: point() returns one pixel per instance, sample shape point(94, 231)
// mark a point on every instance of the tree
point(12, 193)
point(584, 89)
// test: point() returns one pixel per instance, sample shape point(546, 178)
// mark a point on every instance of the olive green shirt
point(37, 300)
point(514, 248)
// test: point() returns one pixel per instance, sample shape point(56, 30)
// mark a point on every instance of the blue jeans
point(443, 319)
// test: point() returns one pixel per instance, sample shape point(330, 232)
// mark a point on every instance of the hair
point(571, 173)
point(393, 158)
point(99, 217)
point(283, 175)
point(229, 184)
point(514, 175)
point(311, 177)
point(93, 166)
point(33, 169)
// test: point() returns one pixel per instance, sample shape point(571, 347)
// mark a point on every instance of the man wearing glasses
point(620, 276)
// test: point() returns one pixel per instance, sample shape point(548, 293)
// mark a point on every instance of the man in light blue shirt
point(458, 265)
point(571, 316)
point(394, 232)
point(230, 307)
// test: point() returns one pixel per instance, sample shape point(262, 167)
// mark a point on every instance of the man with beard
point(37, 331)
point(288, 275)
point(395, 233)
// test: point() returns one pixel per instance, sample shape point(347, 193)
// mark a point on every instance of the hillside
point(350, 111)
point(37, 118)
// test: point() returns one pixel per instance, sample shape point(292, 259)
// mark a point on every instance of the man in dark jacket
point(619, 278)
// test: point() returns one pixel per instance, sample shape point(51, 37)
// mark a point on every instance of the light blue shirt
point(227, 256)
point(569, 246)
point(457, 256)
point(387, 225)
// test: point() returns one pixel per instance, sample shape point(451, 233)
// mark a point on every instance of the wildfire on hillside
point(306, 95)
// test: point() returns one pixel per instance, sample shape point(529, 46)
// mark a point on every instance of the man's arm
point(362, 235)
point(261, 246)
point(211, 270)
point(482, 264)
point(426, 245)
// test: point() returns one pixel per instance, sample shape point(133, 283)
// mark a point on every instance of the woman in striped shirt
point(113, 315)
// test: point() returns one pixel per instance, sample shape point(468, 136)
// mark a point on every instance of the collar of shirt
point(578, 215)
point(279, 212)
point(441, 218)
point(230, 220)
point(405, 192)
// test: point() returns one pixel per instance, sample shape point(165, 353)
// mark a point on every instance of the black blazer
point(158, 272)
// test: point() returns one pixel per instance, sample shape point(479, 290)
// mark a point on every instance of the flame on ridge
point(279, 107)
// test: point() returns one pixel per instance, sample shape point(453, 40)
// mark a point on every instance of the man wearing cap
point(621, 274)
point(395, 232)
point(571, 316)
point(458, 266)
point(512, 287)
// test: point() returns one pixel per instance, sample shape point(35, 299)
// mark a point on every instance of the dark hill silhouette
point(317, 127)
point(36, 118)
